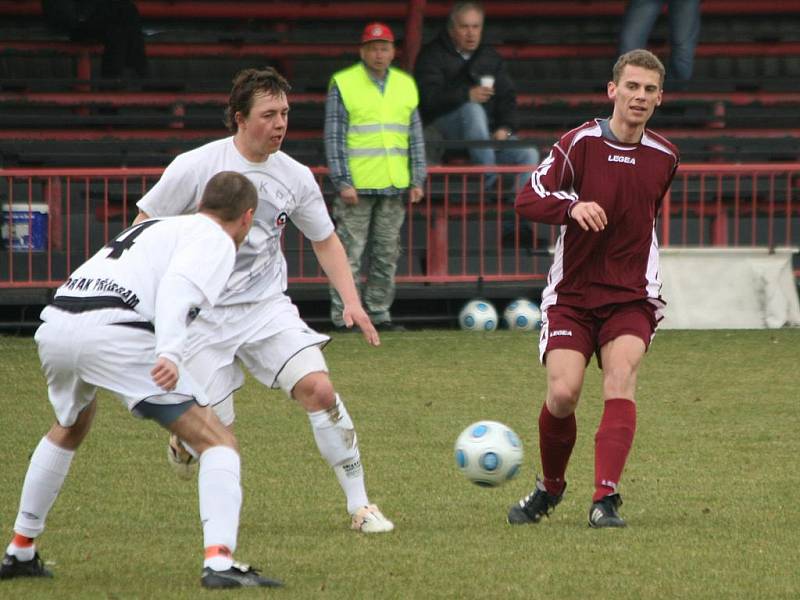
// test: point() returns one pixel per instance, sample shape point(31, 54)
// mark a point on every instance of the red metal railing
point(53, 219)
point(252, 9)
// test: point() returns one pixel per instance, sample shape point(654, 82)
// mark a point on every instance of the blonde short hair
point(639, 58)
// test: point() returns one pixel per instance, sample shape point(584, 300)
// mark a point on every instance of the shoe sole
point(608, 525)
point(216, 582)
point(519, 519)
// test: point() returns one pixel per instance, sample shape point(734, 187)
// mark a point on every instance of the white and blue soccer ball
point(488, 453)
point(478, 315)
point(523, 315)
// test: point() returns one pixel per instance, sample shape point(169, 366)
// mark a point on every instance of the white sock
point(23, 553)
point(220, 502)
point(218, 562)
point(337, 442)
point(46, 473)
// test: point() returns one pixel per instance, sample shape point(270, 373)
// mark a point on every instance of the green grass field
point(709, 488)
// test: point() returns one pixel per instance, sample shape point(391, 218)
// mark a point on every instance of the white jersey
point(157, 271)
point(287, 190)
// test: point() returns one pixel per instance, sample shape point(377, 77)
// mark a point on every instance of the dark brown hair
point(246, 84)
point(228, 195)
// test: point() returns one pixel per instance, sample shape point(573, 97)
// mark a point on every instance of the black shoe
point(13, 567)
point(238, 575)
point(389, 326)
point(603, 513)
point(534, 506)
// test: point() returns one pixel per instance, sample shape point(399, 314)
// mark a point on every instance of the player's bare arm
point(589, 215)
point(333, 260)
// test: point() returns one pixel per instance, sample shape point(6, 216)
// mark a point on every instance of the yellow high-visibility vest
point(379, 124)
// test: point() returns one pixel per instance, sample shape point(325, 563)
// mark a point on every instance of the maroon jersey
point(620, 263)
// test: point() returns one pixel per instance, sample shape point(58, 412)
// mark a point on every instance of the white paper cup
point(487, 81)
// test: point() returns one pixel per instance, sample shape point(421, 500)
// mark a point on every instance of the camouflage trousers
point(371, 226)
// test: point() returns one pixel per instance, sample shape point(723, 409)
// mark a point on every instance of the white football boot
point(370, 519)
point(181, 460)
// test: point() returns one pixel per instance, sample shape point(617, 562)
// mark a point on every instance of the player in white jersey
point(119, 323)
point(255, 322)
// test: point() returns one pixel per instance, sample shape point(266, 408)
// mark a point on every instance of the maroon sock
point(611, 445)
point(556, 440)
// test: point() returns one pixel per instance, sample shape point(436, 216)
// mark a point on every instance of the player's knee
point(619, 380)
point(315, 392)
point(562, 398)
point(71, 437)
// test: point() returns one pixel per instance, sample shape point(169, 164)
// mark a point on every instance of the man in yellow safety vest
point(375, 151)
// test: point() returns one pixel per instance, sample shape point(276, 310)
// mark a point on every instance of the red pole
point(413, 41)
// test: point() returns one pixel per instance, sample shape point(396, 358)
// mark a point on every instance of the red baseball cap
point(377, 31)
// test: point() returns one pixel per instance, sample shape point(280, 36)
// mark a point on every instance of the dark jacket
point(444, 78)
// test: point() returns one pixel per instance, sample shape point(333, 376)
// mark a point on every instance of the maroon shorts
point(588, 330)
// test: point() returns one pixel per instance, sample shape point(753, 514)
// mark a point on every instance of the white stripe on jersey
point(653, 273)
point(594, 131)
point(536, 180)
point(556, 272)
point(649, 140)
point(566, 196)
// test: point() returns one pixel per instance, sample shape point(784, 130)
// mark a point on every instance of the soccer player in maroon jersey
point(602, 183)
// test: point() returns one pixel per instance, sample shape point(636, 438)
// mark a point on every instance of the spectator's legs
point(114, 51)
point(684, 32)
point(121, 29)
point(470, 123)
point(384, 248)
point(352, 227)
point(640, 16)
point(511, 186)
point(519, 156)
point(135, 56)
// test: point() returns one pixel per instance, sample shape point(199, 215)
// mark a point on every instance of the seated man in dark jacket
point(466, 92)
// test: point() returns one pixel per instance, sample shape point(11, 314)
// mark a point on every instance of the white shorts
point(262, 336)
point(81, 352)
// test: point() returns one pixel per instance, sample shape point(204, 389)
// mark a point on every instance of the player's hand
point(359, 318)
point(165, 374)
point(480, 94)
point(589, 215)
point(415, 194)
point(349, 196)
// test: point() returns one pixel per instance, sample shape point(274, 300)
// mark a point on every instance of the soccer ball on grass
point(523, 315)
point(478, 315)
point(488, 453)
